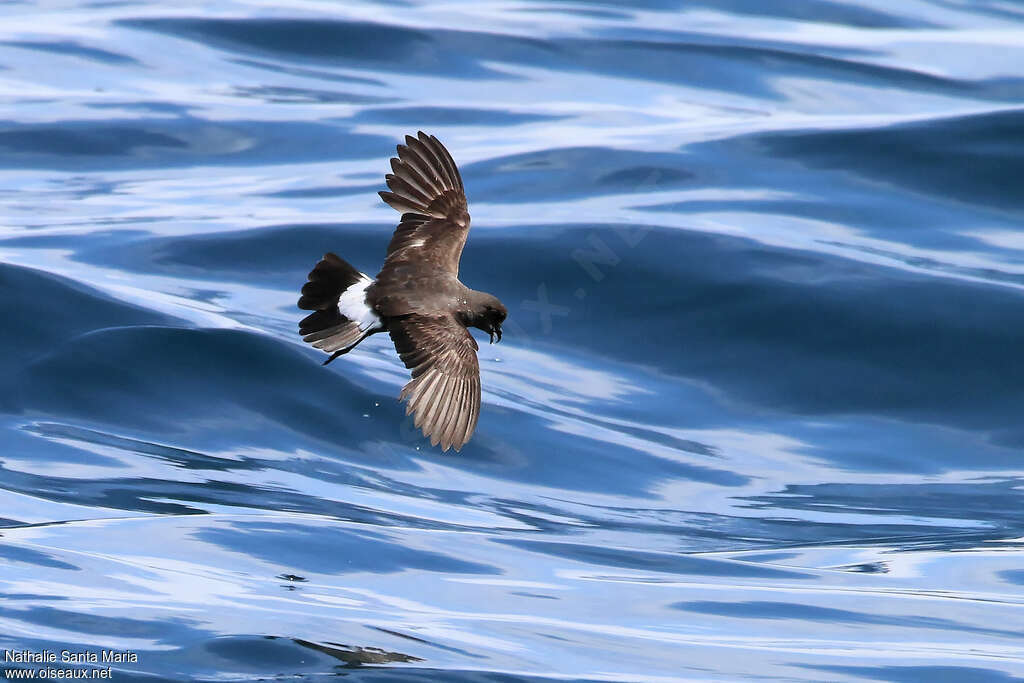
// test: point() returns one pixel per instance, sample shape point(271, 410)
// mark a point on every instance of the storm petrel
point(416, 297)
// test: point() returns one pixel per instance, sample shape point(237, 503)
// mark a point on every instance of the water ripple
point(755, 416)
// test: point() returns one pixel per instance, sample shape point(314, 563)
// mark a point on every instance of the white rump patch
point(353, 306)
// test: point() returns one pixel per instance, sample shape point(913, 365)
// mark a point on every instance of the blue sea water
point(758, 413)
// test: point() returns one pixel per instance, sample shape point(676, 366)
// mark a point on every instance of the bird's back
point(411, 288)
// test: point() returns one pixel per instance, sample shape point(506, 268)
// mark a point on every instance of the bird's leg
point(337, 353)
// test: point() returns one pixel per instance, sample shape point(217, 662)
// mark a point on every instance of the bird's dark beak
point(496, 330)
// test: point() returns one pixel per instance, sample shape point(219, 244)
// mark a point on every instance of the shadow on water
point(72, 48)
point(307, 549)
point(46, 310)
point(16, 555)
point(647, 561)
point(997, 502)
point(161, 142)
point(419, 117)
point(160, 391)
point(977, 158)
point(917, 674)
point(469, 54)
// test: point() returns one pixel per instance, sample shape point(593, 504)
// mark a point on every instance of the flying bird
point(416, 298)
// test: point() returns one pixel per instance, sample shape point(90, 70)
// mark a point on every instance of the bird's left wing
point(444, 392)
point(427, 189)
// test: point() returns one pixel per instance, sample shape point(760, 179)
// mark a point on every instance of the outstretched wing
point(427, 189)
point(444, 392)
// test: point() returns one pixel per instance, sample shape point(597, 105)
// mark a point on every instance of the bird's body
point(417, 296)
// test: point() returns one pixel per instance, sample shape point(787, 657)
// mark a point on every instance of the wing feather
point(445, 413)
point(455, 416)
point(427, 188)
point(433, 165)
point(402, 171)
point(435, 402)
point(444, 392)
point(442, 155)
point(407, 189)
point(419, 168)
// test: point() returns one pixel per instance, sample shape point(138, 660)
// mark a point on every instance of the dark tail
point(327, 328)
point(328, 279)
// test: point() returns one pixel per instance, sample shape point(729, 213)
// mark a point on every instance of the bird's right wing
point(444, 392)
point(427, 189)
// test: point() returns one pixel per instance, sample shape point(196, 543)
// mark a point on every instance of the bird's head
point(489, 314)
